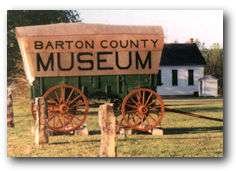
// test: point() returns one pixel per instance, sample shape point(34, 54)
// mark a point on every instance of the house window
point(190, 77)
point(159, 78)
point(174, 77)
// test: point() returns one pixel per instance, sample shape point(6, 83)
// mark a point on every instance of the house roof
point(176, 54)
point(208, 77)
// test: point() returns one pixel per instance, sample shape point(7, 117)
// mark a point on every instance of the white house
point(181, 66)
point(208, 86)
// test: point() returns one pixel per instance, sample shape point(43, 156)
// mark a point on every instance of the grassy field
point(184, 136)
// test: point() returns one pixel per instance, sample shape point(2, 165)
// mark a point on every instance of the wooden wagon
point(69, 63)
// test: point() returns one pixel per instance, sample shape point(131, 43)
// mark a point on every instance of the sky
point(178, 25)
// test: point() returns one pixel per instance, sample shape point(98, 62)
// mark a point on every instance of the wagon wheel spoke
point(134, 102)
point(77, 104)
point(133, 118)
point(138, 120)
point(138, 96)
point(51, 116)
point(60, 122)
point(61, 119)
point(65, 119)
point(62, 93)
point(124, 120)
point(71, 102)
point(51, 101)
point(55, 120)
point(150, 116)
point(77, 118)
point(151, 103)
point(74, 121)
point(76, 107)
point(131, 106)
point(71, 92)
point(155, 119)
point(132, 111)
point(68, 117)
point(131, 121)
point(156, 110)
point(149, 97)
point(143, 97)
point(128, 119)
point(57, 97)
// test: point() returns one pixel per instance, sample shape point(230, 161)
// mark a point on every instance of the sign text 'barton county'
point(91, 54)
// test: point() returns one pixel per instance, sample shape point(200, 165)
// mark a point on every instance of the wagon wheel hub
point(142, 110)
point(63, 108)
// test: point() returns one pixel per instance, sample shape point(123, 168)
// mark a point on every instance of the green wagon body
point(116, 86)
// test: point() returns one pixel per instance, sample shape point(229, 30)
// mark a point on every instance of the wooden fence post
point(107, 123)
point(40, 127)
point(10, 114)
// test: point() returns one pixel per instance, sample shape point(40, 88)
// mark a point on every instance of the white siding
point(209, 87)
point(182, 88)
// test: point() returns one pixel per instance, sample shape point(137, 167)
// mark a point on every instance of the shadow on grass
point(167, 131)
point(93, 113)
point(199, 109)
point(184, 112)
point(184, 130)
point(177, 131)
point(187, 104)
point(94, 132)
point(74, 142)
point(59, 143)
point(171, 131)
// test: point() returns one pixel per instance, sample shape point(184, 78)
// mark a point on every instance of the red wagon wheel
point(142, 109)
point(67, 108)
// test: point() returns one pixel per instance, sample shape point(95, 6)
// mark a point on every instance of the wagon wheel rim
point(67, 108)
point(142, 109)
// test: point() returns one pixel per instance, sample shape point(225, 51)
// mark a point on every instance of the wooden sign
point(77, 49)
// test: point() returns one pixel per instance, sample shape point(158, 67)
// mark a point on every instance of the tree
point(16, 18)
point(201, 45)
point(215, 62)
point(214, 57)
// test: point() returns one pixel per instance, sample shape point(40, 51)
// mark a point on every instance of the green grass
point(184, 136)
